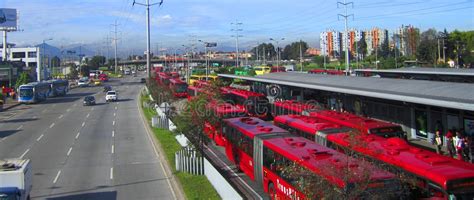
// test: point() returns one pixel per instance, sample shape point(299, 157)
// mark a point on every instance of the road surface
point(86, 152)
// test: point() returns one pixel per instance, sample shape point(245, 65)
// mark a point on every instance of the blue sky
point(89, 21)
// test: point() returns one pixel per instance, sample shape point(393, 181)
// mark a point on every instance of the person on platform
point(439, 142)
point(459, 140)
point(450, 143)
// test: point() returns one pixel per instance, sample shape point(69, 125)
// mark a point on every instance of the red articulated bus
point(262, 151)
point(178, 88)
point(255, 104)
point(437, 176)
point(277, 69)
point(365, 125)
point(163, 78)
point(292, 107)
point(326, 71)
point(222, 111)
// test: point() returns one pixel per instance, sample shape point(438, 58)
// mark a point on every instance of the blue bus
point(58, 87)
point(33, 92)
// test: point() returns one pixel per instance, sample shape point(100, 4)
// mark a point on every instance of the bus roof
point(439, 169)
point(252, 126)
point(351, 120)
point(305, 123)
point(226, 108)
point(177, 81)
point(244, 93)
point(325, 161)
point(295, 106)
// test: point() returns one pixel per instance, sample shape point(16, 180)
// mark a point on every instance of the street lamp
point(278, 49)
point(42, 59)
point(207, 57)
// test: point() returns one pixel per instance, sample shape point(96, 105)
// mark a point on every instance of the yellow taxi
point(260, 70)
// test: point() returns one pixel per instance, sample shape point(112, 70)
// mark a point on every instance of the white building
point(375, 38)
point(31, 56)
point(330, 42)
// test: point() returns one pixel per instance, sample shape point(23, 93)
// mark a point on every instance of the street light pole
point(147, 5)
point(278, 49)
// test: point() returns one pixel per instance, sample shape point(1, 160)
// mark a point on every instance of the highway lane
point(96, 152)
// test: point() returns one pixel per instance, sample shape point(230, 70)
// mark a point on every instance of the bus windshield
point(180, 88)
point(26, 92)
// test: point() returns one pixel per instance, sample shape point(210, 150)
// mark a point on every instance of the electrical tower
point(346, 32)
point(237, 29)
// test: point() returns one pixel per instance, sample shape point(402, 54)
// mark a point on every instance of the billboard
point(8, 18)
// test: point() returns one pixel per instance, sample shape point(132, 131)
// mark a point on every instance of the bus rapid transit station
point(418, 106)
point(422, 73)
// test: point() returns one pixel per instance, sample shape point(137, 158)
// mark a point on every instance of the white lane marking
point(77, 136)
point(111, 173)
point(115, 107)
point(19, 127)
point(83, 124)
point(88, 114)
point(75, 105)
point(113, 149)
point(61, 116)
point(39, 138)
point(68, 110)
point(3, 139)
point(117, 103)
point(52, 125)
point(57, 177)
point(113, 133)
point(34, 117)
point(113, 123)
point(69, 152)
point(92, 109)
point(115, 114)
point(23, 155)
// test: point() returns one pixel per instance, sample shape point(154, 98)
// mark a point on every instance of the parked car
point(89, 101)
point(111, 96)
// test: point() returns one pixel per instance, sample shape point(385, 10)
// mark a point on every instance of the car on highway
point(142, 80)
point(97, 82)
point(111, 96)
point(89, 101)
point(107, 88)
point(83, 82)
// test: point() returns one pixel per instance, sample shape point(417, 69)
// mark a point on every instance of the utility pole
point(264, 54)
point(115, 39)
point(346, 34)
point(237, 29)
point(147, 5)
point(301, 56)
point(4, 52)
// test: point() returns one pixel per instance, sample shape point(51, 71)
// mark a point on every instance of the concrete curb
point(177, 190)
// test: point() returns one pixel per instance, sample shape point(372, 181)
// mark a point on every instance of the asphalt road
point(86, 152)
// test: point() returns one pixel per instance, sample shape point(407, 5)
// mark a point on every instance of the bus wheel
point(272, 191)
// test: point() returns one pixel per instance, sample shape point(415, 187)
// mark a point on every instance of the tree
point(73, 73)
point(96, 62)
point(362, 47)
point(319, 60)
point(22, 79)
point(292, 51)
point(268, 48)
point(55, 62)
point(427, 50)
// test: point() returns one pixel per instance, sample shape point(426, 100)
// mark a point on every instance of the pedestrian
point(450, 143)
point(439, 142)
point(467, 149)
point(459, 145)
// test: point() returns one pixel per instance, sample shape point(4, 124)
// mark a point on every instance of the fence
point(160, 122)
point(189, 161)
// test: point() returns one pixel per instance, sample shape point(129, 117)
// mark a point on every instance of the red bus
point(326, 71)
point(277, 69)
point(193, 91)
point(365, 125)
point(222, 111)
point(263, 151)
point(178, 88)
point(292, 107)
point(163, 78)
point(436, 175)
point(255, 104)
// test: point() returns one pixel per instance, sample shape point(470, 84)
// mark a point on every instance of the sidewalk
point(10, 103)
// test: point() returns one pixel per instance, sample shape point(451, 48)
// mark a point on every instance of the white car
point(83, 83)
point(111, 96)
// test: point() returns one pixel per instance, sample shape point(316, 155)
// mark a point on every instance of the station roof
point(441, 94)
point(424, 70)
